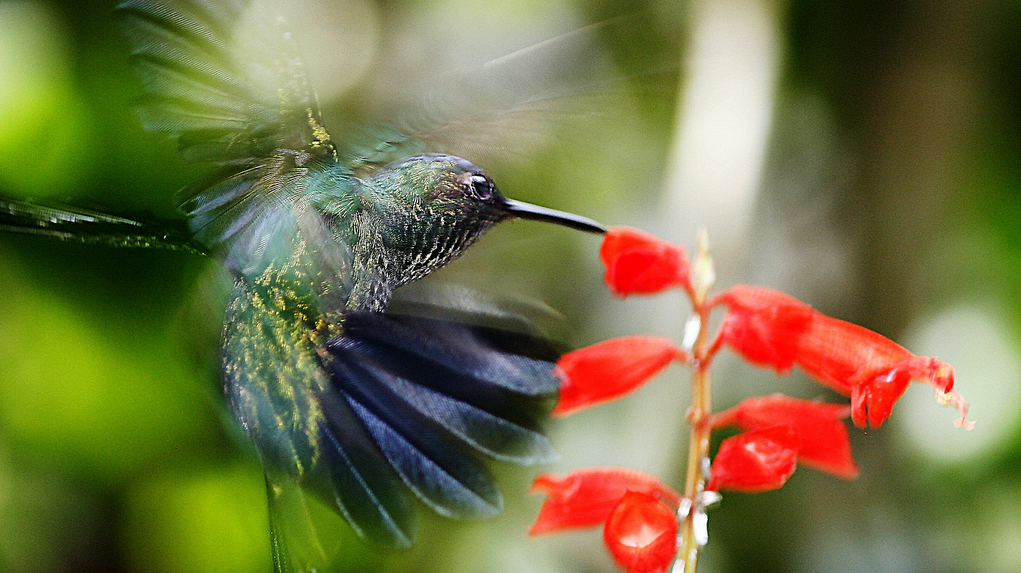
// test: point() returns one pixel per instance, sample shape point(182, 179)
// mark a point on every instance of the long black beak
point(537, 213)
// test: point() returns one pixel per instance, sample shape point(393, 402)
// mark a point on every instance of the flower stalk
point(699, 414)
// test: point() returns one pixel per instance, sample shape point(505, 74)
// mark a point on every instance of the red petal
point(610, 369)
point(619, 240)
point(639, 263)
point(836, 352)
point(763, 325)
point(585, 498)
point(873, 400)
point(641, 534)
point(755, 461)
point(825, 444)
point(771, 328)
point(870, 368)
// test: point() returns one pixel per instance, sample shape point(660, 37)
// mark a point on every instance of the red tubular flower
point(639, 263)
point(641, 534)
point(610, 369)
point(769, 328)
point(825, 444)
point(585, 498)
point(870, 368)
point(755, 461)
point(764, 326)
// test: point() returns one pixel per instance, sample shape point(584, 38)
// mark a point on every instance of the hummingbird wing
point(226, 80)
point(223, 77)
point(508, 105)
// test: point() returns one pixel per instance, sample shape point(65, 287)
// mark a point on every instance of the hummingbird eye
point(482, 186)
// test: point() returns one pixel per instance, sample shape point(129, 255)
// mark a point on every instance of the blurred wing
point(506, 105)
point(223, 77)
point(226, 80)
point(390, 406)
point(295, 542)
point(457, 303)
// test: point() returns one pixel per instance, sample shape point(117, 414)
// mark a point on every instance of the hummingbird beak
point(537, 213)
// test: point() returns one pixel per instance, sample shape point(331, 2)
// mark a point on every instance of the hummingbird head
point(440, 204)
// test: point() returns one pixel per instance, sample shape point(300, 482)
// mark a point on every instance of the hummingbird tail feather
point(387, 403)
point(432, 393)
point(359, 481)
point(441, 472)
point(92, 227)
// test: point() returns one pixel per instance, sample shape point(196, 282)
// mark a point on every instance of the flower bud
point(641, 534)
point(755, 461)
point(585, 498)
point(610, 369)
point(639, 263)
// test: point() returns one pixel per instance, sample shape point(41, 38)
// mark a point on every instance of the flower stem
point(699, 416)
point(692, 533)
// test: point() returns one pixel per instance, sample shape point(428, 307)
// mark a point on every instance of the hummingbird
point(364, 405)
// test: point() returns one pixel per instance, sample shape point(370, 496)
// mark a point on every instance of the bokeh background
point(864, 156)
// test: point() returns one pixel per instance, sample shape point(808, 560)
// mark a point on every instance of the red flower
point(585, 498)
point(764, 326)
point(825, 444)
point(755, 461)
point(610, 369)
point(639, 263)
point(641, 534)
point(770, 328)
